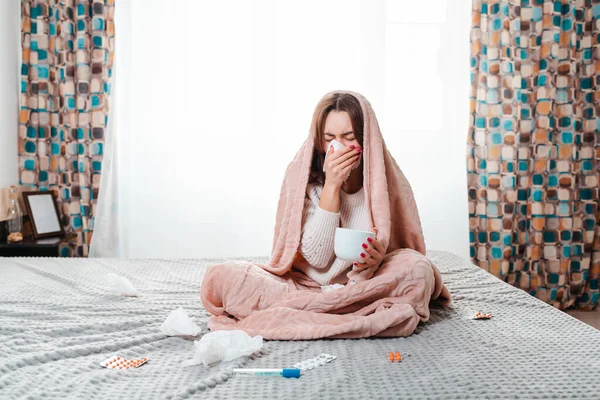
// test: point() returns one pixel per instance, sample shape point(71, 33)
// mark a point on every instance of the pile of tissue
point(224, 346)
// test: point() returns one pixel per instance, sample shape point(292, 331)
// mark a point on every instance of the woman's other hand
point(372, 254)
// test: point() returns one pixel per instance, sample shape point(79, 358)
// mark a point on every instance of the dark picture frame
point(43, 214)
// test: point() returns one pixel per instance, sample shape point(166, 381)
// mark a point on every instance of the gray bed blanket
point(58, 322)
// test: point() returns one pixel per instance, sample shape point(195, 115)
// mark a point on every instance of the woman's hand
point(339, 165)
point(372, 255)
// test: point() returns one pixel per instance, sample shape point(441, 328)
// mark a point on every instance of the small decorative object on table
point(14, 237)
point(14, 223)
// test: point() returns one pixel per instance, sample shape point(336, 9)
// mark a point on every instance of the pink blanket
point(280, 303)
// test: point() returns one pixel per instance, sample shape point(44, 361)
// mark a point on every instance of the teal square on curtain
point(496, 253)
point(98, 24)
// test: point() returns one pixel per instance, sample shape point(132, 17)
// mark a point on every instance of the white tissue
point(331, 287)
point(120, 286)
point(224, 346)
point(179, 323)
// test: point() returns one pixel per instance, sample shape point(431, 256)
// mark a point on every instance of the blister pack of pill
point(117, 362)
point(313, 363)
point(480, 315)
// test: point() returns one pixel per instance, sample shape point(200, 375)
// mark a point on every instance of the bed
point(58, 322)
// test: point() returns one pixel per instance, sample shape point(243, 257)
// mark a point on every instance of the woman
point(361, 188)
point(335, 193)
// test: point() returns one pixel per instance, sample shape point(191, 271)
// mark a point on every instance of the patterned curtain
point(68, 48)
point(534, 145)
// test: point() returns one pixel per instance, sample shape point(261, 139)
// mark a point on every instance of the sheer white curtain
point(212, 100)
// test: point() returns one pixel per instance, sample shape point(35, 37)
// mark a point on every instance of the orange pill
point(391, 356)
point(398, 356)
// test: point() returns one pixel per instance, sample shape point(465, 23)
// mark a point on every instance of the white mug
point(336, 146)
point(348, 244)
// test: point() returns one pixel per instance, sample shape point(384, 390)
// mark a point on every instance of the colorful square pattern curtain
point(67, 57)
point(534, 146)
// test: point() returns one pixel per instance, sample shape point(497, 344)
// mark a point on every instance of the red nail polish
point(370, 240)
point(352, 147)
point(356, 264)
point(363, 255)
point(365, 246)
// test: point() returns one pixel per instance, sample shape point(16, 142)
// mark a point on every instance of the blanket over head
point(389, 197)
point(388, 300)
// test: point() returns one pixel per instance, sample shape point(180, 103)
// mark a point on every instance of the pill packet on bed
point(313, 363)
point(473, 315)
point(117, 362)
point(480, 315)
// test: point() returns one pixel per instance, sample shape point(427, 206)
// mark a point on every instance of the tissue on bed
point(120, 286)
point(179, 323)
point(224, 346)
point(328, 288)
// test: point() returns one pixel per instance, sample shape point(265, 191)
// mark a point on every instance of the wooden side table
point(32, 248)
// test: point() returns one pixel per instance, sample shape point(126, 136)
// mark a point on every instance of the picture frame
point(43, 214)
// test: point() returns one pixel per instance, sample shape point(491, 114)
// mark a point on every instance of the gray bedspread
point(58, 322)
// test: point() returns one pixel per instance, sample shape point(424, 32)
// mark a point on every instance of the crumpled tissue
point(329, 288)
point(120, 286)
point(179, 323)
point(224, 346)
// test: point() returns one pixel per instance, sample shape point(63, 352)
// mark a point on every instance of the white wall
point(427, 112)
point(9, 89)
point(214, 105)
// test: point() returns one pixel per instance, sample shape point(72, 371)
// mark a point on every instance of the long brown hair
point(335, 102)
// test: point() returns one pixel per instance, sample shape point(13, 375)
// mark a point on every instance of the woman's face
point(339, 127)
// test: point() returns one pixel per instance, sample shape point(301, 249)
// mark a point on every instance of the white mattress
point(58, 322)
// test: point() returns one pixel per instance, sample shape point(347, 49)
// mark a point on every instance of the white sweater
point(318, 231)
